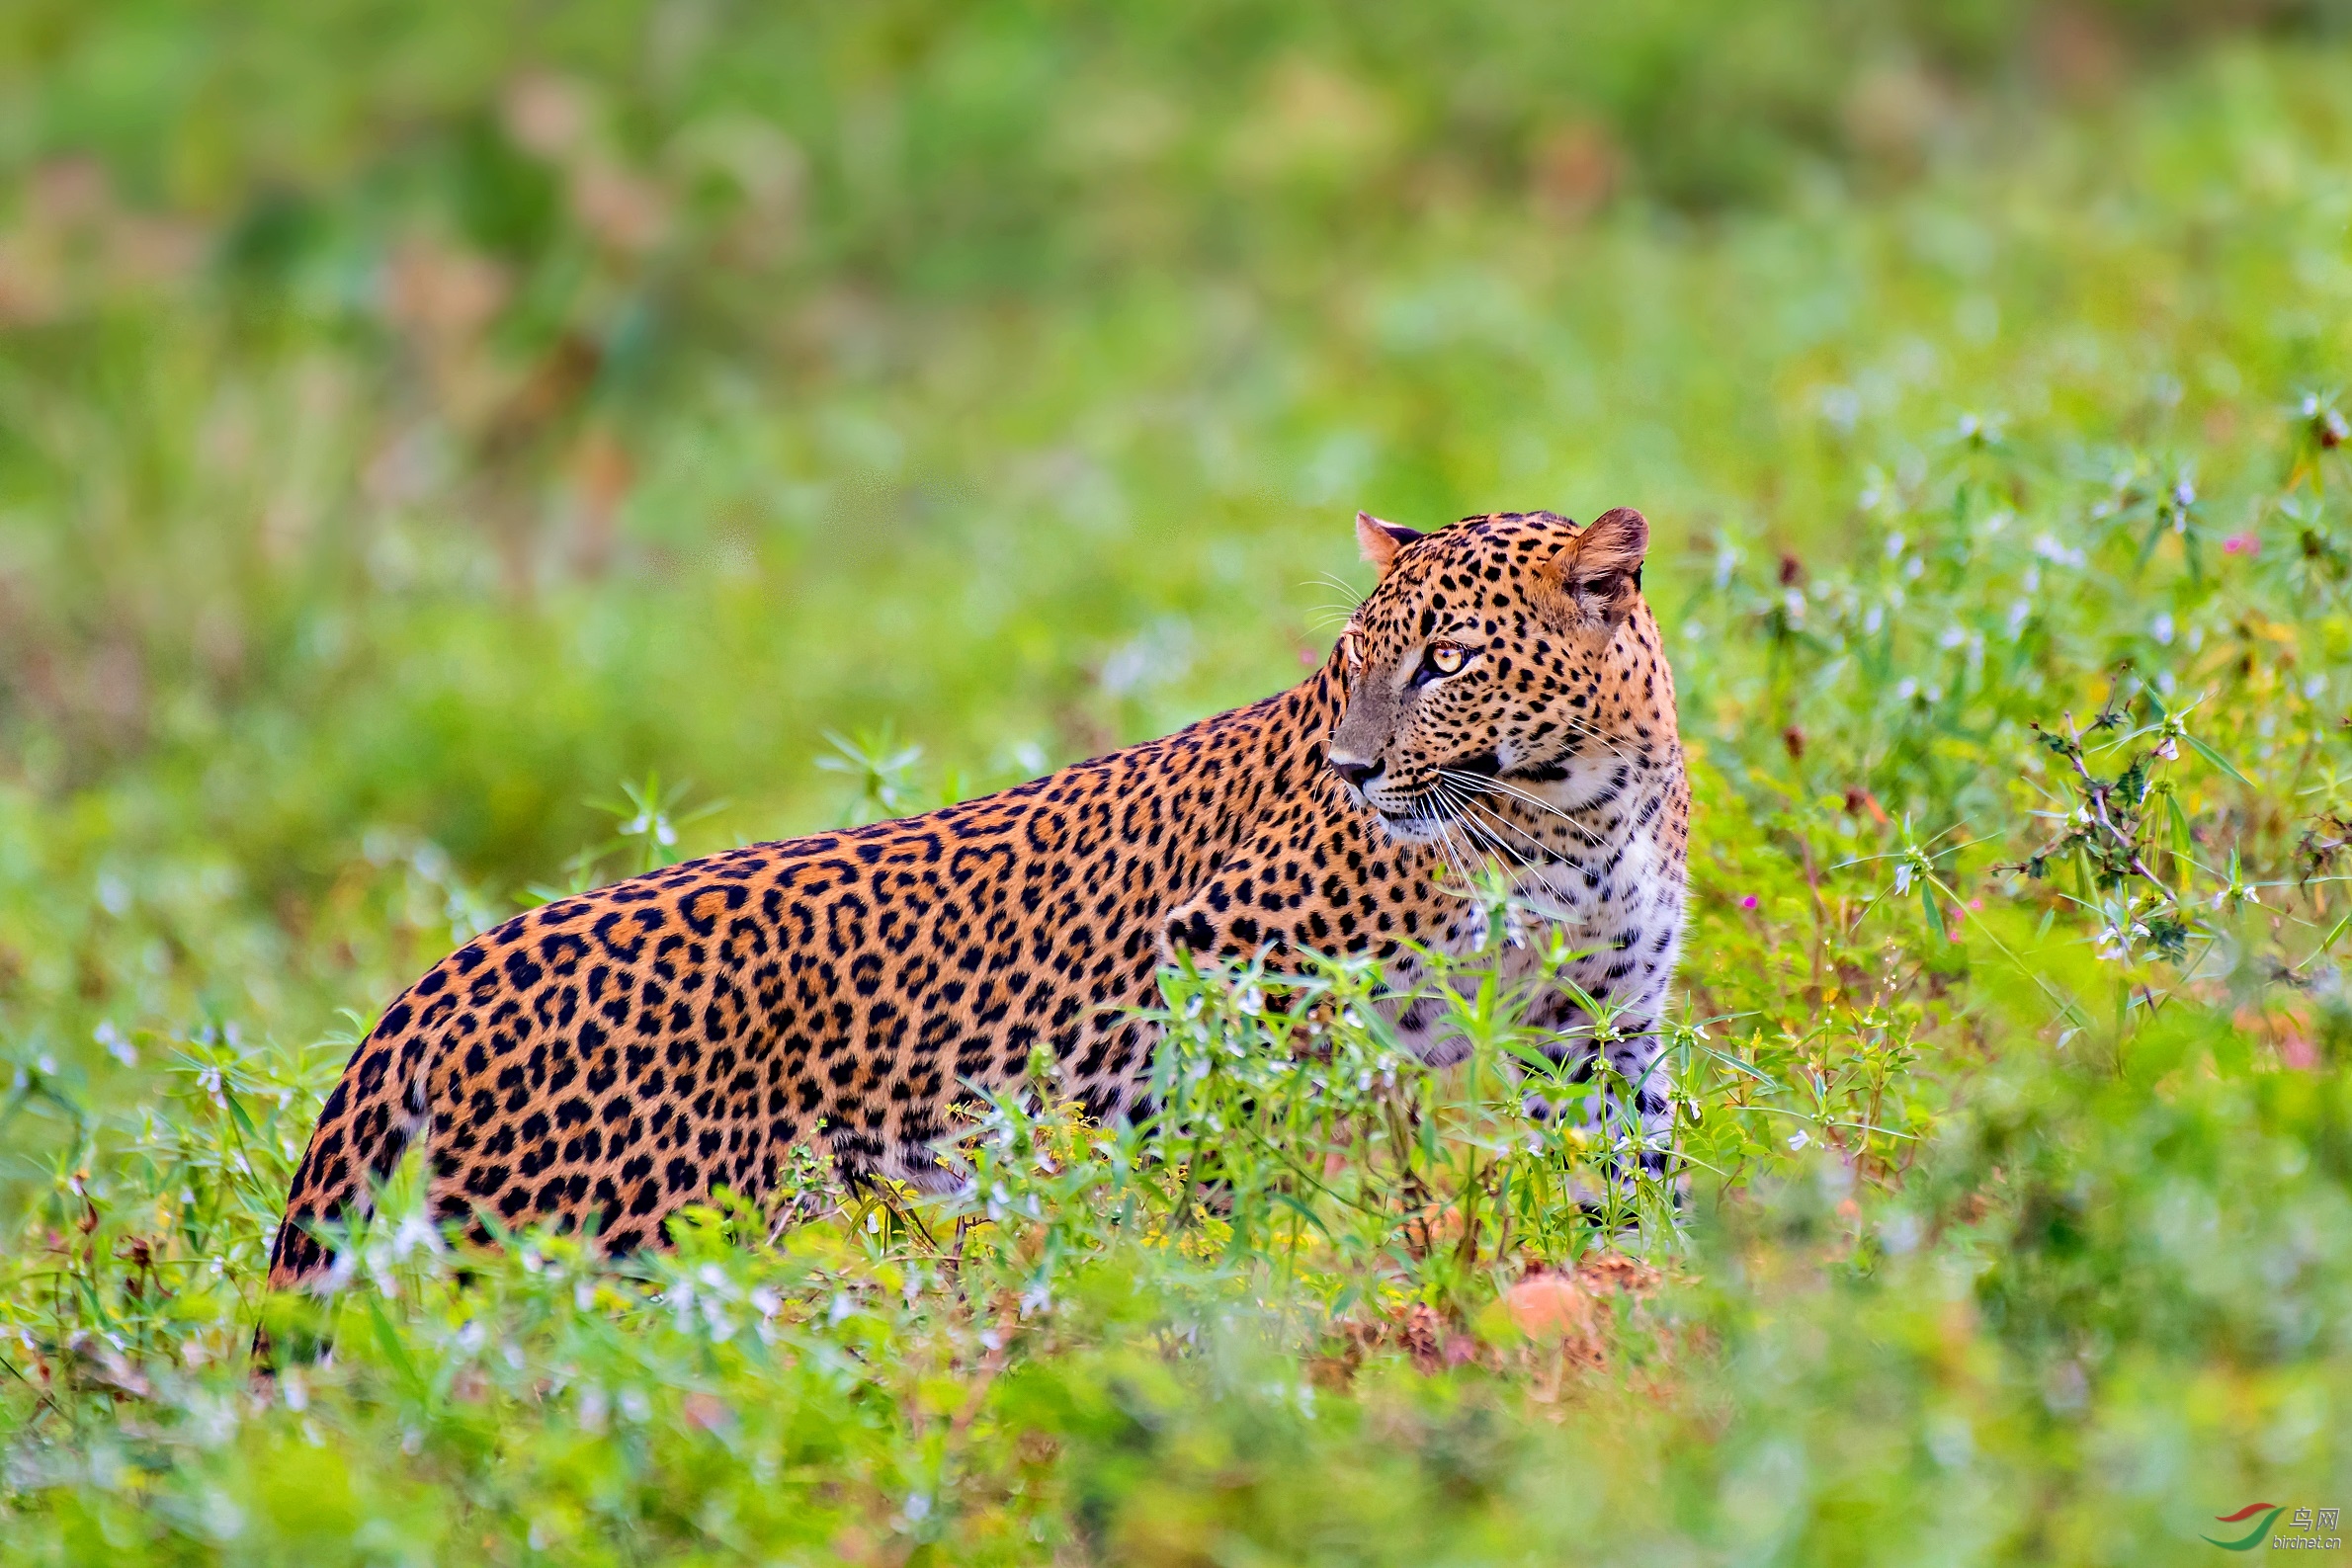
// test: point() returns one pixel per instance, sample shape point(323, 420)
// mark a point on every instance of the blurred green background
point(414, 417)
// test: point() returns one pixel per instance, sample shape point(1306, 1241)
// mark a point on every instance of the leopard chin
point(1411, 829)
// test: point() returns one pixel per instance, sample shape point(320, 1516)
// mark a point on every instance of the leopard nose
point(1355, 769)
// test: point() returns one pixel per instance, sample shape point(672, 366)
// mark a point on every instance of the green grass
point(804, 419)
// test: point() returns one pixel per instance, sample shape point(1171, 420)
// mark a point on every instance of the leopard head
point(1503, 655)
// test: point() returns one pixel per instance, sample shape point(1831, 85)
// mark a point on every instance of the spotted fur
point(606, 1059)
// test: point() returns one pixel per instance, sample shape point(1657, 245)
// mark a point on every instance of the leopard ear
point(1600, 567)
point(1380, 541)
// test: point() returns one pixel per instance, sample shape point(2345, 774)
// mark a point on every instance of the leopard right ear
point(1380, 541)
point(1600, 567)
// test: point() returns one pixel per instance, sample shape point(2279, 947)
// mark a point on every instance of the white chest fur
point(1607, 884)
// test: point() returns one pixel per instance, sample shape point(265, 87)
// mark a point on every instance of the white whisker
point(1511, 856)
point(1483, 781)
point(1455, 850)
point(1327, 613)
point(1464, 806)
point(1542, 851)
point(1615, 752)
point(1449, 849)
point(1347, 589)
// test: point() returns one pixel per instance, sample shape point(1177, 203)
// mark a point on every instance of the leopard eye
point(1444, 659)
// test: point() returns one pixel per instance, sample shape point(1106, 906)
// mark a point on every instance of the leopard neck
point(1249, 764)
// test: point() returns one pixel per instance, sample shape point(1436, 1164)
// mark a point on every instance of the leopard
point(598, 1063)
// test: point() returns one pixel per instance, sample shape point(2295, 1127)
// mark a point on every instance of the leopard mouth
point(1422, 816)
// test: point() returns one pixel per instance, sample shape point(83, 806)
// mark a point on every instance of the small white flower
point(2050, 549)
point(115, 1045)
point(1799, 1140)
point(114, 893)
point(416, 1234)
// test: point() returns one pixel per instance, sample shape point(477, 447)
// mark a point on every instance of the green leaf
point(236, 1114)
point(1295, 1205)
point(387, 1338)
point(1741, 1066)
point(2216, 758)
point(1536, 1061)
point(2182, 838)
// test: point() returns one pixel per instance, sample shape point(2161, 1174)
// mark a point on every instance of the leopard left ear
point(1600, 567)
point(1380, 541)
